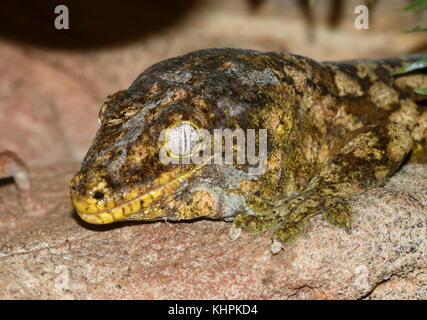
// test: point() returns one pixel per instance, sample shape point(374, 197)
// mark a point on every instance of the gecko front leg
point(364, 159)
point(11, 166)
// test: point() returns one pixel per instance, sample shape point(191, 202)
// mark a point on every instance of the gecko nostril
point(98, 195)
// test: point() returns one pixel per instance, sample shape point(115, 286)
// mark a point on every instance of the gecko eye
point(101, 113)
point(183, 139)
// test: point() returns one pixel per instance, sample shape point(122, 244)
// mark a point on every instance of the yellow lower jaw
point(95, 212)
point(92, 214)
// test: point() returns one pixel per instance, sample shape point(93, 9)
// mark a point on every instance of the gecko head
point(133, 168)
point(165, 114)
point(140, 165)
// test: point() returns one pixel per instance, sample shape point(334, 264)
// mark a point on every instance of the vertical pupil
point(185, 141)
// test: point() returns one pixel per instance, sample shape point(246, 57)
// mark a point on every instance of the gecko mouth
point(135, 207)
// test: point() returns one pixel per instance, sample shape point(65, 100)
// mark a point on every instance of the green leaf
point(312, 2)
point(419, 64)
point(416, 29)
point(421, 91)
point(416, 5)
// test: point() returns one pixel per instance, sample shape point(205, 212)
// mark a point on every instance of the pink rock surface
point(61, 257)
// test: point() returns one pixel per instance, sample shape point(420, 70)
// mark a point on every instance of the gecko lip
point(104, 212)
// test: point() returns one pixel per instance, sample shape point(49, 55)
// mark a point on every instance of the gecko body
point(334, 130)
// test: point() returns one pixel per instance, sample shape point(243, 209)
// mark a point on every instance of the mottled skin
point(334, 131)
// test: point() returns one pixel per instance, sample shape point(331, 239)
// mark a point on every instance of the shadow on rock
point(92, 24)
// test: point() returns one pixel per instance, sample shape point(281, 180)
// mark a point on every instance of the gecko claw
point(276, 247)
point(234, 233)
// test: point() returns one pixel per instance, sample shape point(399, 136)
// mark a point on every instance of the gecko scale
point(334, 130)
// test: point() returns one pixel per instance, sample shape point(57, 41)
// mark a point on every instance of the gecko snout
point(90, 196)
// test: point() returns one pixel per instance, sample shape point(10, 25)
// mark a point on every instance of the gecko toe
point(276, 247)
point(288, 231)
point(234, 233)
point(254, 224)
point(337, 211)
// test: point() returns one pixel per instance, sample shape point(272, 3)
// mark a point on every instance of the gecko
point(333, 131)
